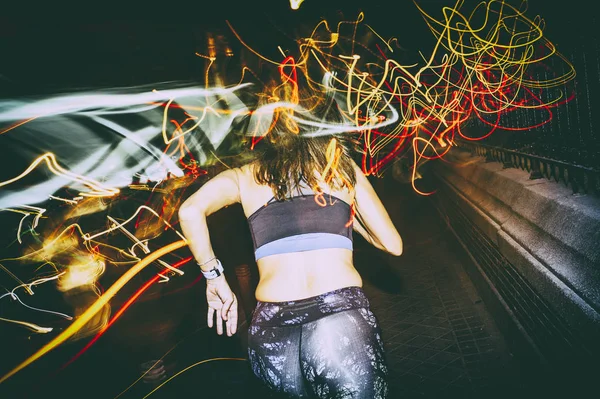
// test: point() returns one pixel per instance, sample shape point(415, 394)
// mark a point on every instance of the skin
point(283, 277)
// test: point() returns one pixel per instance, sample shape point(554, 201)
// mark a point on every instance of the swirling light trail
point(28, 287)
point(484, 66)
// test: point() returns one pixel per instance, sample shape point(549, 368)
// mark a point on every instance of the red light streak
point(123, 308)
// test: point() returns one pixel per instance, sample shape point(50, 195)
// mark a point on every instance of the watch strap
point(214, 272)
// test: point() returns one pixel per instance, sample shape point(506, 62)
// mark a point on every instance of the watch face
point(214, 272)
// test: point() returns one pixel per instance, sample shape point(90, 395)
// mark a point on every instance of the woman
point(312, 333)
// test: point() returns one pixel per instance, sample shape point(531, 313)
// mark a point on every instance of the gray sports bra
point(301, 223)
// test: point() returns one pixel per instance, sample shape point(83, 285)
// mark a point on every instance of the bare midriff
point(299, 275)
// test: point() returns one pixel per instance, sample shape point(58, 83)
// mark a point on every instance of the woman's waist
point(290, 313)
point(297, 276)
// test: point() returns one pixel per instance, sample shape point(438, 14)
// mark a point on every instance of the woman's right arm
point(371, 219)
point(221, 191)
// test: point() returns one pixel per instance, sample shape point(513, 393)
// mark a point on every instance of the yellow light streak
point(190, 367)
point(90, 312)
point(97, 188)
point(33, 327)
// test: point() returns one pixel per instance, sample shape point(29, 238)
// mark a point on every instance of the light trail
point(94, 308)
point(97, 189)
point(123, 308)
point(192, 366)
point(28, 287)
point(484, 66)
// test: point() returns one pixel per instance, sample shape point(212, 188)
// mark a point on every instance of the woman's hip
point(302, 311)
point(306, 346)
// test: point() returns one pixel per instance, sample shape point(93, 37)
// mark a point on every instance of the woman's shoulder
point(245, 176)
point(246, 171)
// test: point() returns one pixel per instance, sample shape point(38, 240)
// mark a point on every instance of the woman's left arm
point(219, 192)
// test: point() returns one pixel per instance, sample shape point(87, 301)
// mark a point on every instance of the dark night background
point(56, 49)
point(100, 45)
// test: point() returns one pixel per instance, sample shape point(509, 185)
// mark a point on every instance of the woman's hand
point(222, 301)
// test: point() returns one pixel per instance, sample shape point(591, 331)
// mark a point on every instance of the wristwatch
point(214, 272)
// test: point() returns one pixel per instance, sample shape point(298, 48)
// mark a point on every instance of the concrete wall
point(542, 232)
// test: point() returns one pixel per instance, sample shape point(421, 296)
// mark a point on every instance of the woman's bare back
point(297, 275)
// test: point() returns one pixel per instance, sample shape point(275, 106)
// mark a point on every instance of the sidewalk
point(440, 339)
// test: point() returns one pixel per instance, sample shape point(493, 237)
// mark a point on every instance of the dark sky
point(99, 44)
point(137, 44)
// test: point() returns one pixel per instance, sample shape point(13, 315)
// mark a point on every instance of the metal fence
point(580, 179)
point(572, 133)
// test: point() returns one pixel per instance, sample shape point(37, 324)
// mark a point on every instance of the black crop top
point(301, 223)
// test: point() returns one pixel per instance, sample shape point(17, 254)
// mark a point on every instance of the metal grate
point(579, 178)
point(552, 336)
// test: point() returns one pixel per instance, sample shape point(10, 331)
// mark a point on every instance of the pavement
point(440, 339)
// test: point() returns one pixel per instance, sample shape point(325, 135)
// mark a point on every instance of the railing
point(581, 179)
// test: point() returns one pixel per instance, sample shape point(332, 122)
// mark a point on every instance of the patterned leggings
point(328, 346)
